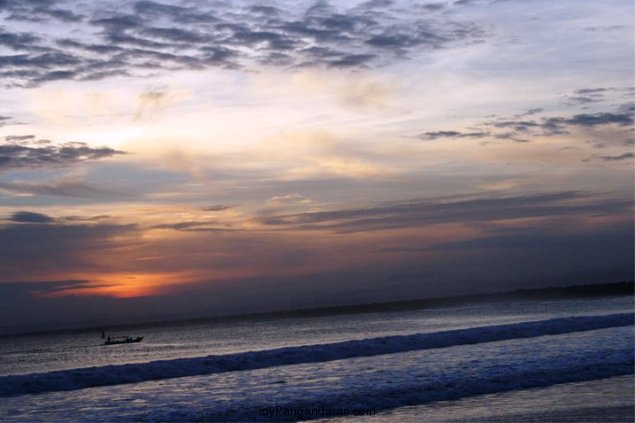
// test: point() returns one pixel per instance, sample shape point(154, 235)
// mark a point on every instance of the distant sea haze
point(558, 292)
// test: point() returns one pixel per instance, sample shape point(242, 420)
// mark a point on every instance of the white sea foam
point(73, 379)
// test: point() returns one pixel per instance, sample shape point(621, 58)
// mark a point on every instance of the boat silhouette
point(113, 340)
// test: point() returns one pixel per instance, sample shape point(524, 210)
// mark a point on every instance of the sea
point(562, 360)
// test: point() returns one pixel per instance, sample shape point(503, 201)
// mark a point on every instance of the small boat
point(113, 340)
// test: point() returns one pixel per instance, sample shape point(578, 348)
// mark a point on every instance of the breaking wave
point(73, 379)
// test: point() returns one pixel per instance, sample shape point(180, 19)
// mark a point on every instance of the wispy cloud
point(5, 121)
point(625, 156)
point(523, 127)
point(429, 212)
point(431, 136)
point(65, 187)
point(218, 207)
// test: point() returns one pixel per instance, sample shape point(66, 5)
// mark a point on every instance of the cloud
point(86, 218)
point(433, 7)
point(597, 144)
point(516, 125)
point(530, 112)
point(289, 198)
point(511, 136)
point(197, 226)
point(30, 217)
point(39, 154)
point(13, 138)
point(622, 116)
point(351, 61)
point(152, 101)
point(431, 136)
point(5, 121)
point(366, 95)
point(217, 207)
point(65, 187)
point(55, 246)
point(419, 34)
point(586, 96)
point(149, 100)
point(623, 119)
point(606, 28)
point(38, 11)
point(374, 4)
point(625, 156)
point(521, 129)
point(427, 212)
point(134, 39)
point(31, 288)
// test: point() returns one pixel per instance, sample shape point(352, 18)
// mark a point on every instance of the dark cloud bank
point(29, 238)
point(501, 257)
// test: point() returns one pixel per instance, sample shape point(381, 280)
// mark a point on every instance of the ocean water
point(511, 360)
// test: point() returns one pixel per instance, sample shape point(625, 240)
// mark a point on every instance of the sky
point(187, 158)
